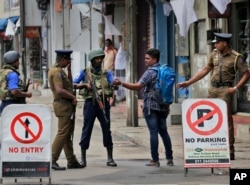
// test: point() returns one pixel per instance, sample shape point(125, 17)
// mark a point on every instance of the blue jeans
point(156, 122)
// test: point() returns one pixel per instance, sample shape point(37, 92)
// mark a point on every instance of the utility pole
point(131, 37)
point(23, 39)
point(66, 24)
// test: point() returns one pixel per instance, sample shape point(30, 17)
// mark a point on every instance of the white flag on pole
point(10, 28)
point(167, 8)
point(184, 13)
point(220, 5)
point(110, 29)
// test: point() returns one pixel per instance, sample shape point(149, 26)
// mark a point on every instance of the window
point(85, 21)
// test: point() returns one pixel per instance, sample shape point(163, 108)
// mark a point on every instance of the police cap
point(222, 37)
point(64, 53)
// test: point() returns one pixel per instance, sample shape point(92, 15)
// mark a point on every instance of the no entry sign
point(26, 141)
point(21, 131)
point(205, 133)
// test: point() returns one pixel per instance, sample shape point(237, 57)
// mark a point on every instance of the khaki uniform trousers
point(63, 111)
point(222, 93)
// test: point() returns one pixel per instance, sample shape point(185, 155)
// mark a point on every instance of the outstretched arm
point(194, 79)
point(131, 86)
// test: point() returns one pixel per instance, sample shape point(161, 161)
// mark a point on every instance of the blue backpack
point(164, 84)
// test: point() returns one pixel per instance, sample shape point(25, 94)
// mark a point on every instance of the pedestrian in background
point(109, 61)
point(154, 113)
point(64, 101)
point(15, 93)
point(110, 54)
point(223, 63)
point(103, 80)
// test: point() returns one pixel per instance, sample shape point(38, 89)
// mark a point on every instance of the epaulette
point(235, 53)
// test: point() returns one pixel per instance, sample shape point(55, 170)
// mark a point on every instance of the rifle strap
point(102, 83)
point(89, 75)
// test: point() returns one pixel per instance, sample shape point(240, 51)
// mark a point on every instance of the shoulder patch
point(59, 75)
point(240, 60)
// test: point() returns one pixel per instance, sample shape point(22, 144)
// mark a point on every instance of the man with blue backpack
point(155, 104)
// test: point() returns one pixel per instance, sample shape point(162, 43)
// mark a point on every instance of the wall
point(8, 12)
point(199, 60)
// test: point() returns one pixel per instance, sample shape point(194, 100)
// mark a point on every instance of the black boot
point(83, 162)
point(74, 165)
point(110, 161)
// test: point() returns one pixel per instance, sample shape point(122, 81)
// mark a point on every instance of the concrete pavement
point(140, 134)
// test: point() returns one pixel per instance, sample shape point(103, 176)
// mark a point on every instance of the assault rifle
point(96, 96)
point(26, 89)
point(73, 116)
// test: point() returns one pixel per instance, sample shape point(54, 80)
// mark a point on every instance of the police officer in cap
point(223, 62)
point(15, 93)
point(103, 80)
point(64, 102)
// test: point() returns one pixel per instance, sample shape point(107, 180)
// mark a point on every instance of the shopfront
point(239, 25)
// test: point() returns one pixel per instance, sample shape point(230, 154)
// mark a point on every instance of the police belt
point(62, 100)
point(221, 84)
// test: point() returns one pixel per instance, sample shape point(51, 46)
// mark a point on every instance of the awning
point(84, 1)
point(80, 1)
point(4, 22)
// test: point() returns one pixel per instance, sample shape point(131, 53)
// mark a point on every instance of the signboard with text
point(26, 141)
point(205, 133)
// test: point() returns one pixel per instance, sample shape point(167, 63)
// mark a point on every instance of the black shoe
point(74, 165)
point(170, 162)
point(111, 163)
point(55, 166)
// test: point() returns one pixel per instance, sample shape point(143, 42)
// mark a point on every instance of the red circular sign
point(34, 134)
point(215, 110)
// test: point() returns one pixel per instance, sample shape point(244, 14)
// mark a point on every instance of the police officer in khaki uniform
point(223, 62)
point(64, 101)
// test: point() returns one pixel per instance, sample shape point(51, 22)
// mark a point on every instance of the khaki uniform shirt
point(228, 65)
point(58, 76)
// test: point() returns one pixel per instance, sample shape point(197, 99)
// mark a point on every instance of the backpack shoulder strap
point(156, 68)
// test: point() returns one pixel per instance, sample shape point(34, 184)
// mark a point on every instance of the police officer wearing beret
point(224, 63)
point(64, 101)
point(15, 93)
point(103, 80)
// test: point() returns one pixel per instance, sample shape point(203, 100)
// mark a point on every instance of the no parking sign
point(26, 141)
point(205, 133)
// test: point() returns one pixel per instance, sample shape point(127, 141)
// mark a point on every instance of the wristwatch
point(236, 89)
